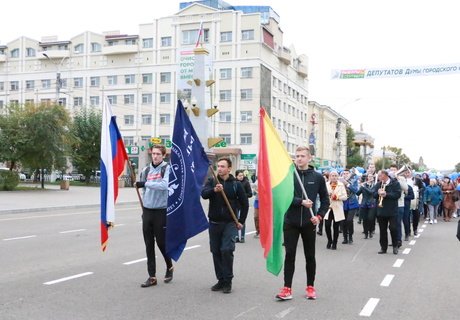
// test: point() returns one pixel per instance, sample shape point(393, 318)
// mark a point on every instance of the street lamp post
point(58, 75)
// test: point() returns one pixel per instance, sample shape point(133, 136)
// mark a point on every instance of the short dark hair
point(237, 172)
point(160, 147)
point(229, 162)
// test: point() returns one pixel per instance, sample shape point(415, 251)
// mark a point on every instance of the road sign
point(132, 150)
point(155, 140)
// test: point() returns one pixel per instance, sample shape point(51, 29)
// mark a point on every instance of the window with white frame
point(112, 99)
point(225, 73)
point(78, 82)
point(164, 139)
point(14, 85)
point(96, 47)
point(77, 101)
point(130, 42)
point(128, 99)
point(191, 36)
point(227, 138)
point(247, 34)
point(78, 48)
point(274, 82)
point(246, 72)
point(147, 98)
point(246, 116)
point(226, 36)
point(1, 104)
point(225, 95)
point(165, 118)
point(146, 119)
point(2, 86)
point(112, 80)
point(225, 116)
point(128, 119)
point(94, 101)
point(246, 138)
point(246, 94)
point(95, 81)
point(30, 84)
point(130, 78)
point(147, 78)
point(165, 77)
point(30, 52)
point(165, 97)
point(147, 43)
point(128, 140)
point(46, 83)
point(63, 83)
point(166, 41)
point(15, 53)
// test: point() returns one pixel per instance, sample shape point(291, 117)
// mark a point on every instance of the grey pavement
point(53, 198)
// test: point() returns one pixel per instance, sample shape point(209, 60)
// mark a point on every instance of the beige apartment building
point(142, 74)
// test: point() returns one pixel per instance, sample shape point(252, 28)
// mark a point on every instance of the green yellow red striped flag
point(275, 181)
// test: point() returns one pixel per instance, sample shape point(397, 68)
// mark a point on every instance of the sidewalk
point(52, 198)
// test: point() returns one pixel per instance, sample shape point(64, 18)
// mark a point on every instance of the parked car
point(21, 175)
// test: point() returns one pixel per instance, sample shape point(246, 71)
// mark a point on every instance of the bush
point(8, 180)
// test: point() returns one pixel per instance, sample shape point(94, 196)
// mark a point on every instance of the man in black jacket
point(222, 228)
point(387, 191)
point(298, 221)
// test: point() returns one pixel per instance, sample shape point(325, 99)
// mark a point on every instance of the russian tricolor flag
point(113, 160)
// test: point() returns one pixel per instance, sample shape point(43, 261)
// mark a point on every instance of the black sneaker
point(227, 287)
point(169, 275)
point(242, 240)
point(218, 286)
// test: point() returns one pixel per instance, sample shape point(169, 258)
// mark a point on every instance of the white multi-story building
point(141, 75)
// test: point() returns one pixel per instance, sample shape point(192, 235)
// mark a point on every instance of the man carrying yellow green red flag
point(285, 208)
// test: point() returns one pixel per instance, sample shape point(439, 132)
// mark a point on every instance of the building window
point(147, 98)
point(96, 47)
point(274, 82)
point(246, 94)
point(165, 97)
point(30, 84)
point(14, 85)
point(246, 138)
point(15, 53)
point(164, 139)
point(78, 101)
point(128, 98)
point(95, 81)
point(147, 78)
point(112, 100)
point(147, 43)
point(129, 120)
point(191, 36)
point(225, 117)
point(146, 119)
point(30, 52)
point(225, 74)
point(246, 72)
point(226, 36)
point(78, 82)
point(94, 100)
point(166, 41)
point(63, 83)
point(247, 34)
point(128, 140)
point(130, 42)
point(225, 95)
point(227, 138)
point(246, 116)
point(78, 48)
point(165, 77)
point(112, 80)
point(130, 79)
point(2, 86)
point(46, 84)
point(165, 118)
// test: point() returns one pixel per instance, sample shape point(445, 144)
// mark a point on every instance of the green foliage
point(355, 160)
point(8, 180)
point(85, 141)
point(13, 133)
point(457, 167)
point(401, 158)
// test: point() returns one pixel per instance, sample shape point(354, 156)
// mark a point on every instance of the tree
point(457, 167)
point(12, 135)
point(85, 144)
point(47, 135)
point(354, 159)
point(400, 158)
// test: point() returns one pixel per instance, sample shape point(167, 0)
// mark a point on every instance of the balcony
point(53, 54)
point(302, 70)
point(284, 55)
point(120, 49)
point(2, 57)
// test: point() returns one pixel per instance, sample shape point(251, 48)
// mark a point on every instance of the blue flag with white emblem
point(188, 168)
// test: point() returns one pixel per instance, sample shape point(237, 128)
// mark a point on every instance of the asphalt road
point(52, 268)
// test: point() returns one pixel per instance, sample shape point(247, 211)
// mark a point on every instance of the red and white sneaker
point(284, 294)
point(311, 293)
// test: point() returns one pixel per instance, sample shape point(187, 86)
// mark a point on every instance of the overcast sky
point(417, 114)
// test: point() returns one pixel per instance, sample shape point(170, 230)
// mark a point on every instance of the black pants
point(154, 228)
point(384, 224)
point(291, 237)
point(335, 225)
point(415, 219)
point(368, 215)
point(222, 242)
point(347, 224)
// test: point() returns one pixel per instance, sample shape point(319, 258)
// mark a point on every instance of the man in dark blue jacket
point(222, 227)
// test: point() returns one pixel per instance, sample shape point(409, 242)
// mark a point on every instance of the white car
point(22, 176)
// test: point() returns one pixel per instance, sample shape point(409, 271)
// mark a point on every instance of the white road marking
point(369, 307)
point(398, 263)
point(420, 231)
point(250, 232)
point(387, 280)
point(192, 247)
point(282, 314)
point(412, 242)
point(406, 251)
point(134, 261)
point(424, 226)
point(119, 225)
point(245, 312)
point(57, 215)
point(417, 236)
point(19, 238)
point(68, 278)
point(70, 231)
